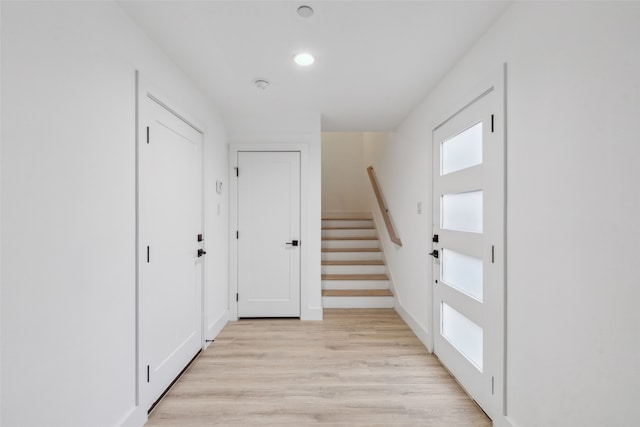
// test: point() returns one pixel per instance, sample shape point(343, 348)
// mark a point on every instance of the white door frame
point(146, 89)
point(494, 82)
point(233, 218)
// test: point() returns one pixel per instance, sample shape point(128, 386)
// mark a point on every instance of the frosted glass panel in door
point(462, 272)
point(463, 334)
point(462, 211)
point(463, 150)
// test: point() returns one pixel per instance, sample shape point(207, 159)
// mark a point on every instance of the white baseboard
point(214, 328)
point(137, 417)
point(312, 313)
point(416, 327)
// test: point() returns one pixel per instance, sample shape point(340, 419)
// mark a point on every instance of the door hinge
point(147, 134)
point(148, 258)
point(237, 234)
point(237, 297)
point(147, 373)
point(237, 171)
point(493, 254)
point(492, 123)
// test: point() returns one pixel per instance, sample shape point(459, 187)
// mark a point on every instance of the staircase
point(353, 271)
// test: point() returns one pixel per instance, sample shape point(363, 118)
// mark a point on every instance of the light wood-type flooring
point(358, 367)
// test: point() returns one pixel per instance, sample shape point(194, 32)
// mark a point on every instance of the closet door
point(169, 261)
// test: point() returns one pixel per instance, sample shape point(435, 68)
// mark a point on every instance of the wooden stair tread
point(354, 262)
point(348, 219)
point(356, 293)
point(350, 238)
point(348, 228)
point(350, 249)
point(355, 277)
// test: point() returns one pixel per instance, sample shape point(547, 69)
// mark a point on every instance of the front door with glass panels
point(468, 248)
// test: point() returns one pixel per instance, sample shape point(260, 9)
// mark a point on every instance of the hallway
point(355, 368)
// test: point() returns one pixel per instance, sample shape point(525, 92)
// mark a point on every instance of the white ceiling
point(375, 60)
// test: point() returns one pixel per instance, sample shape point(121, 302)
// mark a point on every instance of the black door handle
point(293, 243)
point(201, 252)
point(435, 254)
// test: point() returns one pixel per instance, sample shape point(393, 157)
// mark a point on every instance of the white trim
point(421, 332)
point(504, 421)
point(313, 313)
point(216, 327)
point(477, 98)
point(306, 312)
point(136, 417)
point(172, 111)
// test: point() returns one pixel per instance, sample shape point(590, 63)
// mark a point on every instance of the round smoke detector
point(261, 84)
point(305, 11)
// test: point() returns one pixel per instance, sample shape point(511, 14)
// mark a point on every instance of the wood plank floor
point(361, 367)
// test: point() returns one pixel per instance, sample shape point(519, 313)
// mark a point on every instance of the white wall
point(573, 102)
point(344, 172)
point(404, 177)
point(68, 209)
point(296, 129)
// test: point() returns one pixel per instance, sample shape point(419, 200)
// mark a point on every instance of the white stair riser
point(353, 269)
point(330, 244)
point(349, 223)
point(357, 302)
point(351, 256)
point(350, 232)
point(355, 284)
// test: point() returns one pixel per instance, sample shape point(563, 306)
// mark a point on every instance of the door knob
point(435, 254)
point(201, 252)
point(293, 243)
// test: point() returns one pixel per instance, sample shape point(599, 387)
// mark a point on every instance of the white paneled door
point(468, 248)
point(169, 261)
point(268, 233)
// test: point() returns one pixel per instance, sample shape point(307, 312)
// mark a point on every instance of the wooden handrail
point(383, 208)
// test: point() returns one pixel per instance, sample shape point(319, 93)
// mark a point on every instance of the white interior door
point(268, 234)
point(468, 200)
point(170, 267)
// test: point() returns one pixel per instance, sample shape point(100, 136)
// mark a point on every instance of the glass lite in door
point(461, 222)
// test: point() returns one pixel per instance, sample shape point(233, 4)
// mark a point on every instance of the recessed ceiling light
point(305, 11)
point(261, 84)
point(304, 59)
